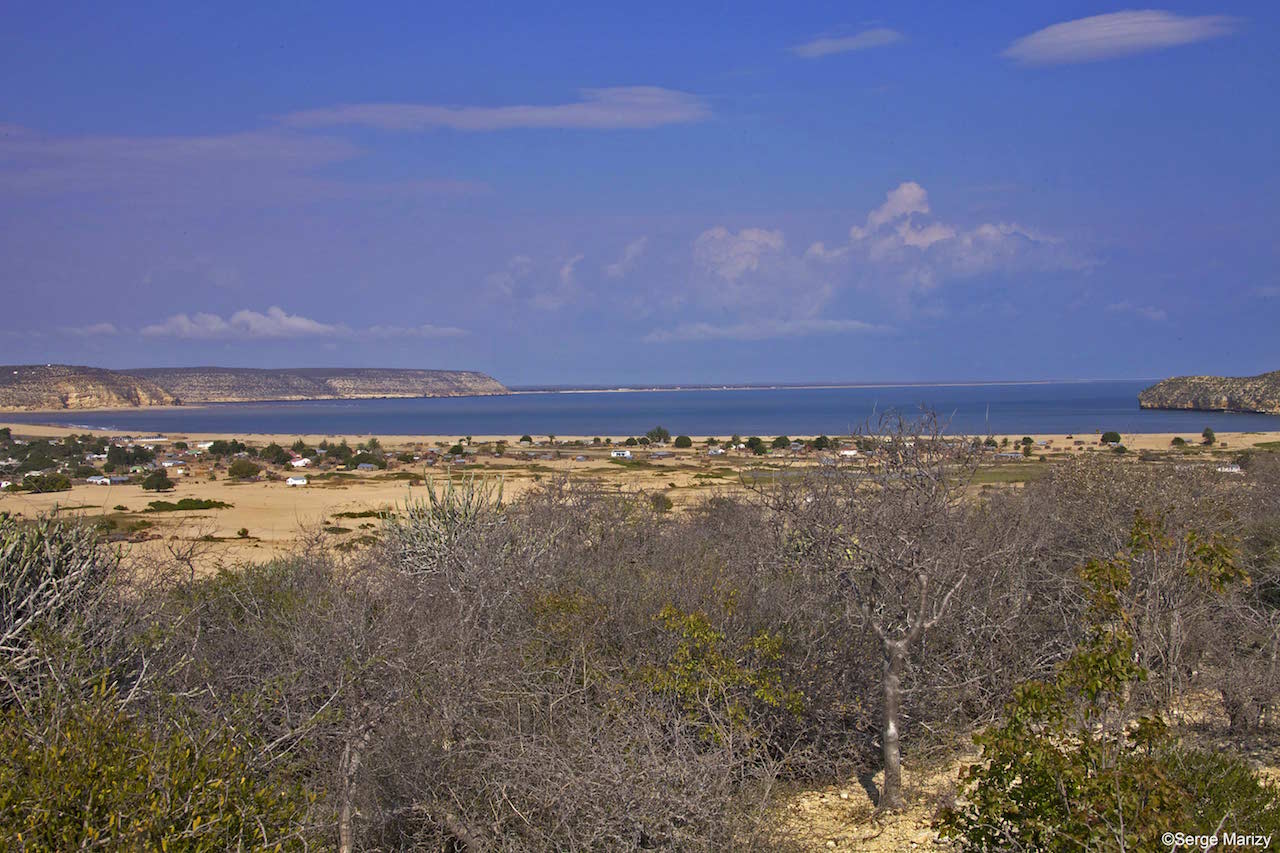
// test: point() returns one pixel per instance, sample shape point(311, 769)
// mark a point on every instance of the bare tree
point(888, 535)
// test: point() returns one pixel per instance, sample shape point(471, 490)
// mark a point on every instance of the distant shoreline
point(643, 389)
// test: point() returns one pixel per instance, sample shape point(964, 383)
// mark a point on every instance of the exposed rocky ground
point(60, 386)
point(70, 387)
point(1216, 393)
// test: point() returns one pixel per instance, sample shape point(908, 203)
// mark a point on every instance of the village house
point(296, 481)
point(620, 454)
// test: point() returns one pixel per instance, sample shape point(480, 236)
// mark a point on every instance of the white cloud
point(566, 271)
point(630, 255)
point(758, 330)
point(277, 324)
point(1149, 312)
point(819, 47)
point(503, 282)
point(94, 330)
point(730, 255)
point(1116, 34)
point(426, 330)
point(905, 199)
point(626, 107)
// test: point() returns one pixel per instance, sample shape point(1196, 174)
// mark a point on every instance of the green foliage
point(1120, 449)
point(716, 685)
point(1208, 436)
point(990, 442)
point(658, 435)
point(1110, 437)
point(53, 482)
point(660, 502)
point(781, 442)
point(631, 442)
point(526, 439)
point(456, 450)
point(821, 443)
point(243, 469)
point(1071, 767)
point(186, 505)
point(157, 481)
point(275, 454)
point(756, 445)
point(81, 773)
point(1179, 441)
point(683, 441)
point(222, 447)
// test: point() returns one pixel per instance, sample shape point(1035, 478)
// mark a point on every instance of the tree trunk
point(895, 655)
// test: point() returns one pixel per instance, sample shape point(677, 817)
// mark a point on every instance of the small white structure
point(620, 454)
point(1230, 469)
point(849, 452)
point(300, 462)
point(296, 481)
point(716, 451)
point(98, 480)
point(4, 484)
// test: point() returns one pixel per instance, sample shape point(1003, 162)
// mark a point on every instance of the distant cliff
point(1216, 393)
point(62, 386)
point(245, 384)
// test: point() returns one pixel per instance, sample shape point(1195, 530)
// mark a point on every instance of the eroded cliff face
point(62, 386)
point(243, 385)
point(1216, 393)
point(59, 386)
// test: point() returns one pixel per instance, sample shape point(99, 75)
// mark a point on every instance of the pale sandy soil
point(278, 516)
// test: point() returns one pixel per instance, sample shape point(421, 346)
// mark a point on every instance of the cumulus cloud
point(1116, 34)
point(899, 243)
point(275, 323)
point(278, 324)
point(730, 255)
point(630, 255)
point(624, 107)
point(758, 330)
point(819, 47)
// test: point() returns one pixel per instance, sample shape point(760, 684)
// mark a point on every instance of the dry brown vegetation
point(578, 670)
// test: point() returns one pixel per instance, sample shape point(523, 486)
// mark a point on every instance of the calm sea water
point(1066, 407)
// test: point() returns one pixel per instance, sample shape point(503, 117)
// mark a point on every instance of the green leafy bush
point(243, 469)
point(186, 505)
point(1072, 767)
point(80, 773)
point(157, 481)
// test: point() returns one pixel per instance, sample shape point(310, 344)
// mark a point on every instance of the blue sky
point(665, 193)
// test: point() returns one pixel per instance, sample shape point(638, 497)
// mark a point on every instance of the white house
point(1230, 469)
point(716, 451)
point(849, 452)
point(620, 454)
point(98, 480)
point(300, 462)
point(296, 481)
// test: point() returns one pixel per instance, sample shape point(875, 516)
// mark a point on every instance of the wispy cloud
point(1116, 34)
point(630, 255)
point(819, 47)
point(759, 330)
point(629, 107)
point(1148, 312)
point(92, 330)
point(278, 324)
